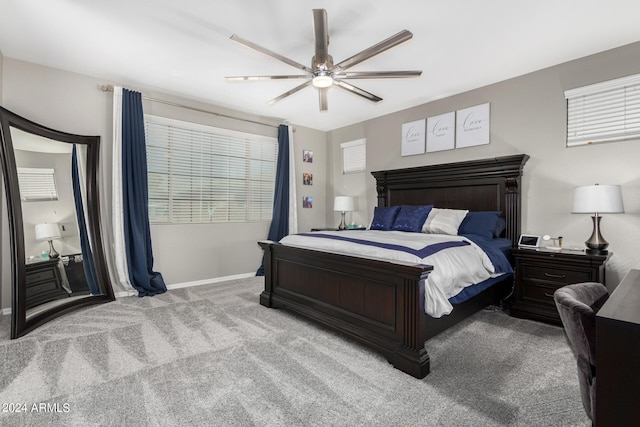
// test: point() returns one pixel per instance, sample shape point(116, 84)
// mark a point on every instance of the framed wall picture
point(307, 179)
point(441, 132)
point(472, 126)
point(307, 156)
point(307, 202)
point(413, 138)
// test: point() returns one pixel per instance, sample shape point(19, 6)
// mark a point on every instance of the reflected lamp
point(49, 232)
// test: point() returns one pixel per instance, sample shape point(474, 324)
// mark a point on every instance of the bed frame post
point(411, 356)
point(512, 208)
point(265, 296)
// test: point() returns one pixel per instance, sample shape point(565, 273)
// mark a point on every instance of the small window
point(354, 156)
point(37, 184)
point(608, 111)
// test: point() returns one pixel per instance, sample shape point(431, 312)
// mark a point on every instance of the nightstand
point(43, 282)
point(539, 272)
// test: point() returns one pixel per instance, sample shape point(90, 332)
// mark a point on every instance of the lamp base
point(343, 224)
point(52, 251)
point(596, 251)
point(596, 243)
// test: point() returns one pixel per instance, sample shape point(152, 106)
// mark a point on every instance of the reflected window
point(37, 184)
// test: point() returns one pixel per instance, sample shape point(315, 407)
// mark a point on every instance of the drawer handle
point(556, 276)
point(548, 295)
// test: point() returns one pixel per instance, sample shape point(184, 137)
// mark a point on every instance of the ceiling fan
point(323, 73)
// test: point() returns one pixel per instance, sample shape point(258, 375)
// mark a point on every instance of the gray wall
point(183, 253)
point(527, 116)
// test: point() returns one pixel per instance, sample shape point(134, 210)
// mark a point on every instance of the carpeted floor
point(212, 356)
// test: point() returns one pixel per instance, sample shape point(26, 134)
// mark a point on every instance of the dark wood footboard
point(374, 302)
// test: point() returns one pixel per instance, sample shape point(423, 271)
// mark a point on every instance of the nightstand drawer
point(40, 276)
point(543, 294)
point(562, 276)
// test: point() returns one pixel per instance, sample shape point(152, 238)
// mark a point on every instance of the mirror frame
point(20, 325)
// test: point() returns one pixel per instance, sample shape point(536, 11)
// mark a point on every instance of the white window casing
point(37, 184)
point(607, 111)
point(354, 156)
point(202, 174)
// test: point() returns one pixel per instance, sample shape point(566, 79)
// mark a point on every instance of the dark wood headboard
point(478, 185)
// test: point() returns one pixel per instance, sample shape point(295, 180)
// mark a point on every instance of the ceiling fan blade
point(270, 53)
point(377, 74)
point(322, 96)
point(321, 35)
point(256, 78)
point(376, 49)
point(353, 89)
point(290, 92)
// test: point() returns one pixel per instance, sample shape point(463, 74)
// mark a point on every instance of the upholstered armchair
point(577, 305)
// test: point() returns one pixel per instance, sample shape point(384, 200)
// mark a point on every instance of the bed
point(379, 303)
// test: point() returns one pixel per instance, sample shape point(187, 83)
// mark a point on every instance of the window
point(37, 184)
point(201, 174)
point(354, 156)
point(608, 111)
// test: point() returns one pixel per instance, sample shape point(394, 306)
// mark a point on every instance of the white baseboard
point(194, 283)
point(122, 294)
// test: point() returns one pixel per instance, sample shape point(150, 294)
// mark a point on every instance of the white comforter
point(454, 268)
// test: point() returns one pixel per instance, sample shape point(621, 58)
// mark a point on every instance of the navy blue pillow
point(411, 218)
point(482, 224)
point(383, 218)
point(500, 226)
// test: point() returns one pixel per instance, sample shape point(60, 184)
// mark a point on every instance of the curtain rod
point(109, 88)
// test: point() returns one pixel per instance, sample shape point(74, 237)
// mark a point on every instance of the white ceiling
point(183, 47)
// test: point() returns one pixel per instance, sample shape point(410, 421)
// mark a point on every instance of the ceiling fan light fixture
point(322, 80)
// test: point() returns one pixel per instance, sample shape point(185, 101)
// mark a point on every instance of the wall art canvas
point(413, 138)
point(441, 132)
point(472, 126)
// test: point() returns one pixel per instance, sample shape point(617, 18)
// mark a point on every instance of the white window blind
point(202, 174)
point(354, 156)
point(37, 184)
point(608, 111)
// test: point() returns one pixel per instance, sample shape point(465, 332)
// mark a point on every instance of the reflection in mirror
point(58, 263)
point(48, 215)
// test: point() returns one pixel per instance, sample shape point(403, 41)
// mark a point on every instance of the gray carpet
point(211, 355)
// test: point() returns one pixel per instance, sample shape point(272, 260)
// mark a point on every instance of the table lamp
point(343, 204)
point(49, 232)
point(597, 199)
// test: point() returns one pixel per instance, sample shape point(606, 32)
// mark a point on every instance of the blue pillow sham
point(487, 224)
point(383, 218)
point(411, 218)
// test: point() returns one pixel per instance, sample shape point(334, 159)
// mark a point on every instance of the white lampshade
point(598, 199)
point(47, 231)
point(343, 204)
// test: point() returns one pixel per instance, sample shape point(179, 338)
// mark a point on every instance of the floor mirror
point(57, 258)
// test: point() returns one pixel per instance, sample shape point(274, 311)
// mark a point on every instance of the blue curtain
point(135, 196)
point(87, 255)
point(280, 220)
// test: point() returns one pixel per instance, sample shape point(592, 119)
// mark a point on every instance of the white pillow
point(444, 221)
